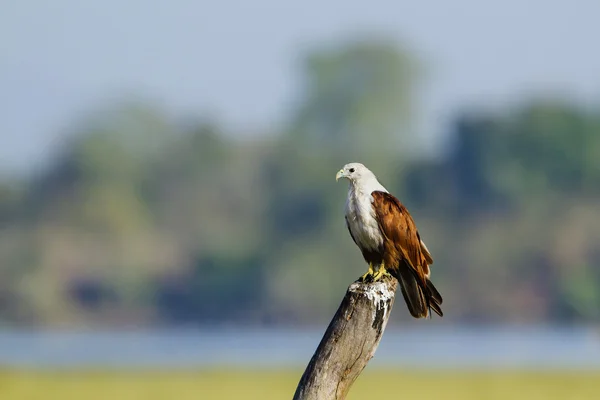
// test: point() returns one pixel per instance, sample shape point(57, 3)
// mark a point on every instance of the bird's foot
point(381, 272)
point(368, 276)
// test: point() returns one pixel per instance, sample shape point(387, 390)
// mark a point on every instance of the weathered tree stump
point(349, 342)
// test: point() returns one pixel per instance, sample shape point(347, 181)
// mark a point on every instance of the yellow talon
point(367, 274)
point(381, 272)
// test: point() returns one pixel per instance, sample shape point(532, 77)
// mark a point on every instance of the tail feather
point(433, 292)
point(435, 299)
point(419, 300)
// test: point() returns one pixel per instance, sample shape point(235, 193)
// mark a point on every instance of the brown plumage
point(405, 256)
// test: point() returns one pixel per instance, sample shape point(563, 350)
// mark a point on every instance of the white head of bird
point(359, 176)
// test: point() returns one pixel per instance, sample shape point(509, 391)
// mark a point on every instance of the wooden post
point(349, 342)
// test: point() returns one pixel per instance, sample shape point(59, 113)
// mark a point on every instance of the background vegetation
point(144, 220)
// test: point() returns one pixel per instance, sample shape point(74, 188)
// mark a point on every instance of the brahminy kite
point(388, 239)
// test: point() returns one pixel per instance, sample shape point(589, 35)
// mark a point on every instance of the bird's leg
point(381, 272)
point(368, 275)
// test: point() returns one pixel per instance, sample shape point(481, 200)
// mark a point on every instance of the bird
point(384, 231)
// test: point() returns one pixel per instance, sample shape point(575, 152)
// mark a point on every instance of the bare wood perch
point(349, 342)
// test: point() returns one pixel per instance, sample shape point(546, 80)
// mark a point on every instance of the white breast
point(361, 217)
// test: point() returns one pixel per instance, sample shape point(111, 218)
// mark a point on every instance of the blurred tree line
point(142, 220)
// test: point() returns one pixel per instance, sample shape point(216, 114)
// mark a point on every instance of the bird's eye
point(351, 170)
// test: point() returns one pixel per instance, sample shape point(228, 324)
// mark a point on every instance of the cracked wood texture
point(350, 341)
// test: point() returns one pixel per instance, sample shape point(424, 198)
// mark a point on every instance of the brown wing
point(406, 257)
point(425, 252)
point(404, 241)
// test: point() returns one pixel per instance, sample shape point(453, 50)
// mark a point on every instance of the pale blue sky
point(239, 59)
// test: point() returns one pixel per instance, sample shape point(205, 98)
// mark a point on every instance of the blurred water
point(424, 347)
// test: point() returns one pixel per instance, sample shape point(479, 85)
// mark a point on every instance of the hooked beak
point(339, 175)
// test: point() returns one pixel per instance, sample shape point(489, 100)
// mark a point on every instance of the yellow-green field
point(236, 384)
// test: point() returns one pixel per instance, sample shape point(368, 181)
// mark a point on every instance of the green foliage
point(143, 221)
point(358, 100)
